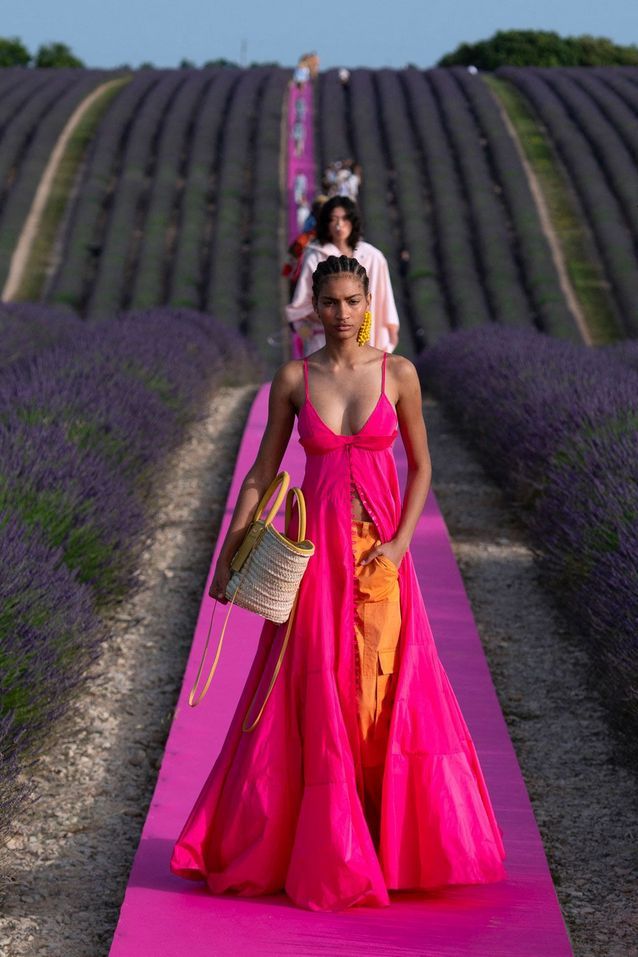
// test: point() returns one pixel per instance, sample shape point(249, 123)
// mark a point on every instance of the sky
point(111, 33)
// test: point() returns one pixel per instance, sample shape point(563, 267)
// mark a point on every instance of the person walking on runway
point(339, 233)
point(361, 776)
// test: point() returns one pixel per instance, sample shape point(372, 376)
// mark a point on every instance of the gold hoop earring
point(363, 334)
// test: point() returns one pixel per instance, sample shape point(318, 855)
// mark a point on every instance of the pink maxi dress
point(281, 808)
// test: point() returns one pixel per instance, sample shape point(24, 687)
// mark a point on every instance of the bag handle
point(213, 667)
point(276, 671)
point(282, 479)
point(293, 493)
point(296, 493)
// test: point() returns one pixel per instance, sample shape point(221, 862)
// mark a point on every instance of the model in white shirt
point(338, 226)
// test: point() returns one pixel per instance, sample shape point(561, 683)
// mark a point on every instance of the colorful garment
point(283, 807)
point(377, 628)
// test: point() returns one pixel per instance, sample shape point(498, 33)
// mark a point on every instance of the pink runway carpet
point(166, 916)
point(300, 155)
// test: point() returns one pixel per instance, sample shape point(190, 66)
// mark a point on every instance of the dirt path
point(22, 251)
point(72, 853)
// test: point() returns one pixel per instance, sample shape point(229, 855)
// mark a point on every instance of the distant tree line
point(14, 53)
point(540, 48)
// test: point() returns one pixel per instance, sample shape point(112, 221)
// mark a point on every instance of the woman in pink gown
point(361, 776)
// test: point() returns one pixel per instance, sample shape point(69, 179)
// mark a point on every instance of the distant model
point(339, 233)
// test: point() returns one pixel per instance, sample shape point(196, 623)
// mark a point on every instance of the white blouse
point(382, 306)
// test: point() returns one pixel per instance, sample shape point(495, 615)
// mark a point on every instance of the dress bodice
point(378, 432)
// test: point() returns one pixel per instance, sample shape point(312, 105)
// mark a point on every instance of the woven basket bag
point(266, 571)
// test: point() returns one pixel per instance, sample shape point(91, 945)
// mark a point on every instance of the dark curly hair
point(352, 215)
point(337, 266)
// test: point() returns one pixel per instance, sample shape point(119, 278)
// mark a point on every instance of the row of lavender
point(179, 200)
point(34, 107)
point(444, 183)
point(557, 424)
point(86, 417)
point(590, 116)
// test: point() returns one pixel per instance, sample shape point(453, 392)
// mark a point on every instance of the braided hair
point(338, 266)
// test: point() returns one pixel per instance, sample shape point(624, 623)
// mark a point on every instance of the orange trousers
point(377, 626)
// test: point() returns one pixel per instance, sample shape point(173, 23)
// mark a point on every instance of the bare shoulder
point(287, 381)
point(289, 373)
point(402, 372)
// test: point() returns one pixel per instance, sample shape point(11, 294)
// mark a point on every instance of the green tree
point(56, 55)
point(13, 52)
point(540, 48)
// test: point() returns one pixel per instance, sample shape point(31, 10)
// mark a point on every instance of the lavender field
point(443, 181)
point(590, 117)
point(179, 201)
point(165, 283)
point(34, 107)
point(87, 415)
point(557, 425)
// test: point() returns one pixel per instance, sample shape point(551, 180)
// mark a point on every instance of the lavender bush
point(154, 257)
point(495, 241)
point(226, 282)
point(74, 497)
point(84, 426)
point(27, 328)
point(424, 284)
point(116, 264)
point(626, 352)
point(204, 154)
point(332, 137)
point(557, 424)
point(267, 200)
point(459, 275)
point(49, 634)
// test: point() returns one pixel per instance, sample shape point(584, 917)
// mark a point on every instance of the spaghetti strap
point(385, 356)
point(305, 375)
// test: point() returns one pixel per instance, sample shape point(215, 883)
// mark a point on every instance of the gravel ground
point(72, 851)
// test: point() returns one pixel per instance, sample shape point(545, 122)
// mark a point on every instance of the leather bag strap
point(213, 667)
point(282, 480)
point(276, 671)
point(296, 493)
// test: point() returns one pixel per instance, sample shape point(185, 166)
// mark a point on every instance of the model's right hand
point(221, 577)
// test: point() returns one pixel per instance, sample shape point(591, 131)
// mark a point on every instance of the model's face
point(341, 305)
point(339, 225)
